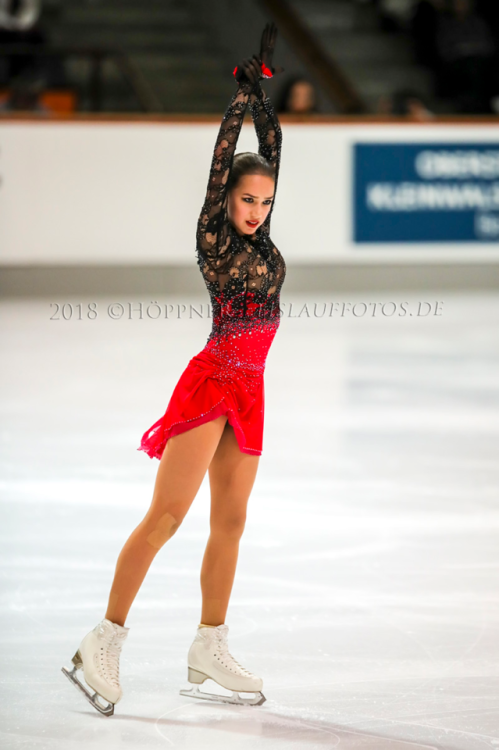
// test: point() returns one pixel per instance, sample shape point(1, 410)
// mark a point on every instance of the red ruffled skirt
point(208, 388)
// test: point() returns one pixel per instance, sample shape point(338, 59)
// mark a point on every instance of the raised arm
point(269, 134)
point(267, 126)
point(213, 241)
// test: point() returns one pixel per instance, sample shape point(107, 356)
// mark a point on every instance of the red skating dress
point(244, 276)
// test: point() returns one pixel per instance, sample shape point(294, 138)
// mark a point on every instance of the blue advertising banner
point(426, 192)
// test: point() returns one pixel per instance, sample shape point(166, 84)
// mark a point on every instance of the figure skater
point(214, 419)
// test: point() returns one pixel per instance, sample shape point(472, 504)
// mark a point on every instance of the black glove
point(267, 46)
point(248, 71)
point(254, 68)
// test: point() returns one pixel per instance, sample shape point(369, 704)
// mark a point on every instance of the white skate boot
point(209, 658)
point(98, 656)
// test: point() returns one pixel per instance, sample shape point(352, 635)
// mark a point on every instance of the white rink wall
point(130, 192)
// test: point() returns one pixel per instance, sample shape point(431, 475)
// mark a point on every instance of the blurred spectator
point(409, 103)
point(384, 106)
point(298, 96)
point(467, 54)
point(424, 26)
point(395, 15)
point(489, 10)
point(19, 25)
point(405, 103)
point(25, 93)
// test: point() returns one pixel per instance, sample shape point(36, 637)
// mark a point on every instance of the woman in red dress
point(214, 419)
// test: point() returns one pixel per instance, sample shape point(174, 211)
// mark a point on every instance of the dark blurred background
point(414, 58)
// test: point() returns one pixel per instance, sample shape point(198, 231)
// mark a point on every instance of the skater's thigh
point(183, 466)
point(232, 475)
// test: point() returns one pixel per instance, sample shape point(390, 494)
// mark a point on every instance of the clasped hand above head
point(260, 66)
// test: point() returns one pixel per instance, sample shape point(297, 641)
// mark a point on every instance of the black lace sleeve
point(212, 236)
point(269, 134)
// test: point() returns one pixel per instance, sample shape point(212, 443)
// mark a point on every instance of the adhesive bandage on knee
point(165, 528)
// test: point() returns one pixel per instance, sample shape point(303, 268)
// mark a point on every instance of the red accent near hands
point(266, 72)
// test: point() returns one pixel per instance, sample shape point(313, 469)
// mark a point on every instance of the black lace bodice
point(243, 273)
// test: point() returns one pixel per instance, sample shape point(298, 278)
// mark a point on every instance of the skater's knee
point(164, 529)
point(229, 525)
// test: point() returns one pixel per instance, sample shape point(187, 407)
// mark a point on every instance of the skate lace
point(111, 651)
point(223, 648)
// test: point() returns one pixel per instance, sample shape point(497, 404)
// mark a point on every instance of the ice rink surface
point(367, 588)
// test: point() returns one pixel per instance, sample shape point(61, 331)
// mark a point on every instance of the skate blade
point(234, 699)
point(91, 698)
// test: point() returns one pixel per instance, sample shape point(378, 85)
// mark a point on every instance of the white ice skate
point(98, 656)
point(209, 658)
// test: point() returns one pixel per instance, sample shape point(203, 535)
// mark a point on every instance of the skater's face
point(249, 202)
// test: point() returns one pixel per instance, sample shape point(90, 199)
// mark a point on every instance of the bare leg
point(232, 475)
point(182, 468)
